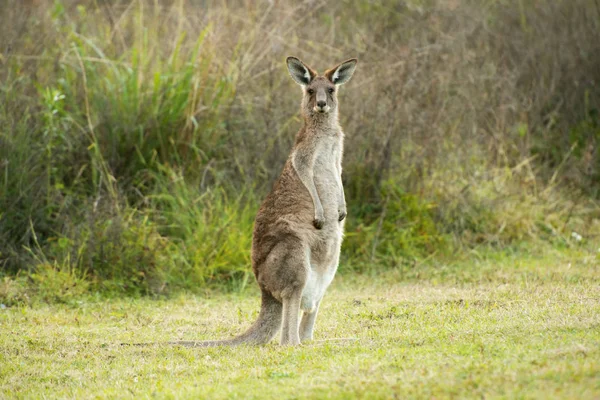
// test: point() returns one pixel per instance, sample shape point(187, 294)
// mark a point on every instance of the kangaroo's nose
point(321, 103)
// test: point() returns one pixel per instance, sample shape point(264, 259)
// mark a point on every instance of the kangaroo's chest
point(326, 172)
point(328, 152)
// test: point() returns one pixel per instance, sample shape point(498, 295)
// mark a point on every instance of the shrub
point(137, 139)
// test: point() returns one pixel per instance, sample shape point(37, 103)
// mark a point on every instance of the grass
point(498, 325)
point(137, 140)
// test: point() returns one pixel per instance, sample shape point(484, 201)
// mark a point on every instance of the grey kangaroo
point(299, 227)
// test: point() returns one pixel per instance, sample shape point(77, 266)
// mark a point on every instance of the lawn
point(505, 326)
point(138, 139)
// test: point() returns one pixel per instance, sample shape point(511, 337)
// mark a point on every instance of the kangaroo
point(299, 228)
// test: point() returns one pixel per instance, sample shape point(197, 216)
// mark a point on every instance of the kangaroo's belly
point(316, 284)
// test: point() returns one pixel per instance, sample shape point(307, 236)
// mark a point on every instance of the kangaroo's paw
point(318, 223)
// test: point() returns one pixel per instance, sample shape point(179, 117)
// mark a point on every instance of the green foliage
point(122, 253)
point(403, 230)
point(212, 230)
point(137, 142)
point(13, 290)
point(194, 240)
point(54, 283)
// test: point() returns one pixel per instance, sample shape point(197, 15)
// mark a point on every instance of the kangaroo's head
point(320, 91)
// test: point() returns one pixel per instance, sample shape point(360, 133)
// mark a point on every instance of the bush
point(136, 140)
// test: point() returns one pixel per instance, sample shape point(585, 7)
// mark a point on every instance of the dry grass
point(127, 129)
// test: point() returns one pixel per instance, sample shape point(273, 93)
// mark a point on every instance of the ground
point(512, 327)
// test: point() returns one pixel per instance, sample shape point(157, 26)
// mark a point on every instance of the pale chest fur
point(327, 174)
point(325, 249)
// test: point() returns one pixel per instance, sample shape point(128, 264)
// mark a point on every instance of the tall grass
point(137, 138)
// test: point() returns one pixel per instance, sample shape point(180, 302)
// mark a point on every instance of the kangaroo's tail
point(261, 332)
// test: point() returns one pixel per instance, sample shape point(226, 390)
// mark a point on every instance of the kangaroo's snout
point(321, 101)
point(322, 107)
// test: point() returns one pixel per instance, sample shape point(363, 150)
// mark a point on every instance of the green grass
point(498, 325)
point(137, 140)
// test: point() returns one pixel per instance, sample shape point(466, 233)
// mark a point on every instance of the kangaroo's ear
point(301, 73)
point(342, 73)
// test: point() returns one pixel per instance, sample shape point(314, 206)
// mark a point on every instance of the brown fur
point(299, 227)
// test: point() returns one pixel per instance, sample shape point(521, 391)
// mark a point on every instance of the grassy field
point(138, 139)
point(496, 326)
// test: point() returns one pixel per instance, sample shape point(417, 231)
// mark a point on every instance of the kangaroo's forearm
point(303, 166)
point(341, 196)
point(309, 182)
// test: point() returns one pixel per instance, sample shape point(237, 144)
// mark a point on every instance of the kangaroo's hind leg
point(291, 319)
point(307, 324)
point(285, 274)
point(296, 267)
point(312, 299)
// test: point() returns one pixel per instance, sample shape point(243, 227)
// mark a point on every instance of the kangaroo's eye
point(310, 91)
point(331, 90)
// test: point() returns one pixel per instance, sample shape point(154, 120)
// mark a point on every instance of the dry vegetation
point(137, 137)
